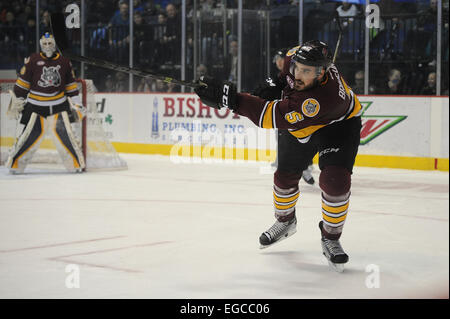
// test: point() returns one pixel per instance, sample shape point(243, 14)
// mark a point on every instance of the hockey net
point(98, 151)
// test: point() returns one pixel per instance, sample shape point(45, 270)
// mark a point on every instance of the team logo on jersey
point(310, 107)
point(23, 70)
point(50, 76)
point(40, 62)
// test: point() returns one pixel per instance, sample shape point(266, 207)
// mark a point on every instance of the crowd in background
point(402, 50)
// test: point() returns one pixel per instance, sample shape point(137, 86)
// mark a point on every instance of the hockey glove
point(15, 106)
point(270, 90)
point(217, 94)
point(78, 110)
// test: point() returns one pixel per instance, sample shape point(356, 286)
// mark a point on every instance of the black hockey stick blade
point(58, 27)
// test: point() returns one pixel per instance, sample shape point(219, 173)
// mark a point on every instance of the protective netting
point(98, 151)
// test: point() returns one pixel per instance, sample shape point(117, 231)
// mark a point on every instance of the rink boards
point(398, 131)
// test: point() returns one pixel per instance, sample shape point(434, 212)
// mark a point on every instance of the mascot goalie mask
point(48, 45)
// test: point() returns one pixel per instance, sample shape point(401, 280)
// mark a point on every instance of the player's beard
point(299, 85)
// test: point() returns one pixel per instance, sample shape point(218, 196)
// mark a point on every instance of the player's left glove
point(217, 94)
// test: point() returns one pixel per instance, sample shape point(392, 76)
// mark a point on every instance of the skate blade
point(289, 234)
point(336, 267)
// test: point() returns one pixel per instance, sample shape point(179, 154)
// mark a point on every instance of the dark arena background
point(175, 194)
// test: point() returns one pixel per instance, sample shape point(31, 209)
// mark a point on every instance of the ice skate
point(278, 232)
point(307, 176)
point(334, 252)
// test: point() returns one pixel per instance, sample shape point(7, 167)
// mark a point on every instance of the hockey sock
point(334, 214)
point(284, 201)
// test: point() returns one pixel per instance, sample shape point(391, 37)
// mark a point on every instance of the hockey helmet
point(313, 53)
point(48, 44)
point(279, 54)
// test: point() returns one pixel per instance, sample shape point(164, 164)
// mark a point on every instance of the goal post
point(98, 151)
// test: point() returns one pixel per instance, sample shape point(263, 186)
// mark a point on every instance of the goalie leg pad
point(27, 144)
point(67, 144)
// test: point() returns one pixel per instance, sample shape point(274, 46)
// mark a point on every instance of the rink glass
point(237, 40)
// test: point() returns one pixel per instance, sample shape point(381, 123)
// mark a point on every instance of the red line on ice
point(115, 249)
point(64, 258)
point(60, 244)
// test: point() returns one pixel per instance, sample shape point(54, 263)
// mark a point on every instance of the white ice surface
point(165, 230)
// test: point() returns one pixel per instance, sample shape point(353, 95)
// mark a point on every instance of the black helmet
point(313, 53)
point(281, 53)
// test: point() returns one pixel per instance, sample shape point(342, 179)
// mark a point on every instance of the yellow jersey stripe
point(334, 220)
point(71, 87)
point(45, 98)
point(307, 131)
point(268, 116)
point(346, 87)
point(22, 84)
point(335, 210)
point(356, 109)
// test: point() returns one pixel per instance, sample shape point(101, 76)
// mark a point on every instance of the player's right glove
point(15, 106)
point(270, 90)
point(217, 94)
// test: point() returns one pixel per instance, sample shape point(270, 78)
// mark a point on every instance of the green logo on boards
point(109, 119)
point(374, 125)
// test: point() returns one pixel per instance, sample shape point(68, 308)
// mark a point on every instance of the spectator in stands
point(110, 86)
point(22, 15)
point(172, 37)
point(278, 59)
point(118, 33)
point(231, 64)
point(140, 44)
point(420, 42)
point(159, 36)
point(45, 23)
point(159, 86)
point(31, 34)
point(347, 10)
point(202, 70)
point(144, 85)
point(161, 4)
point(393, 83)
point(207, 5)
point(358, 85)
point(430, 87)
point(121, 82)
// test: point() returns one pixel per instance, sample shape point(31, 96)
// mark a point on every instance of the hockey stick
point(58, 27)
point(338, 43)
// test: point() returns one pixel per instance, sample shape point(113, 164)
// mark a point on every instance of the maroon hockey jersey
point(303, 112)
point(46, 81)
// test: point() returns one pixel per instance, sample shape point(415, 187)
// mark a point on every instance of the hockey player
point(46, 95)
point(320, 114)
point(272, 89)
